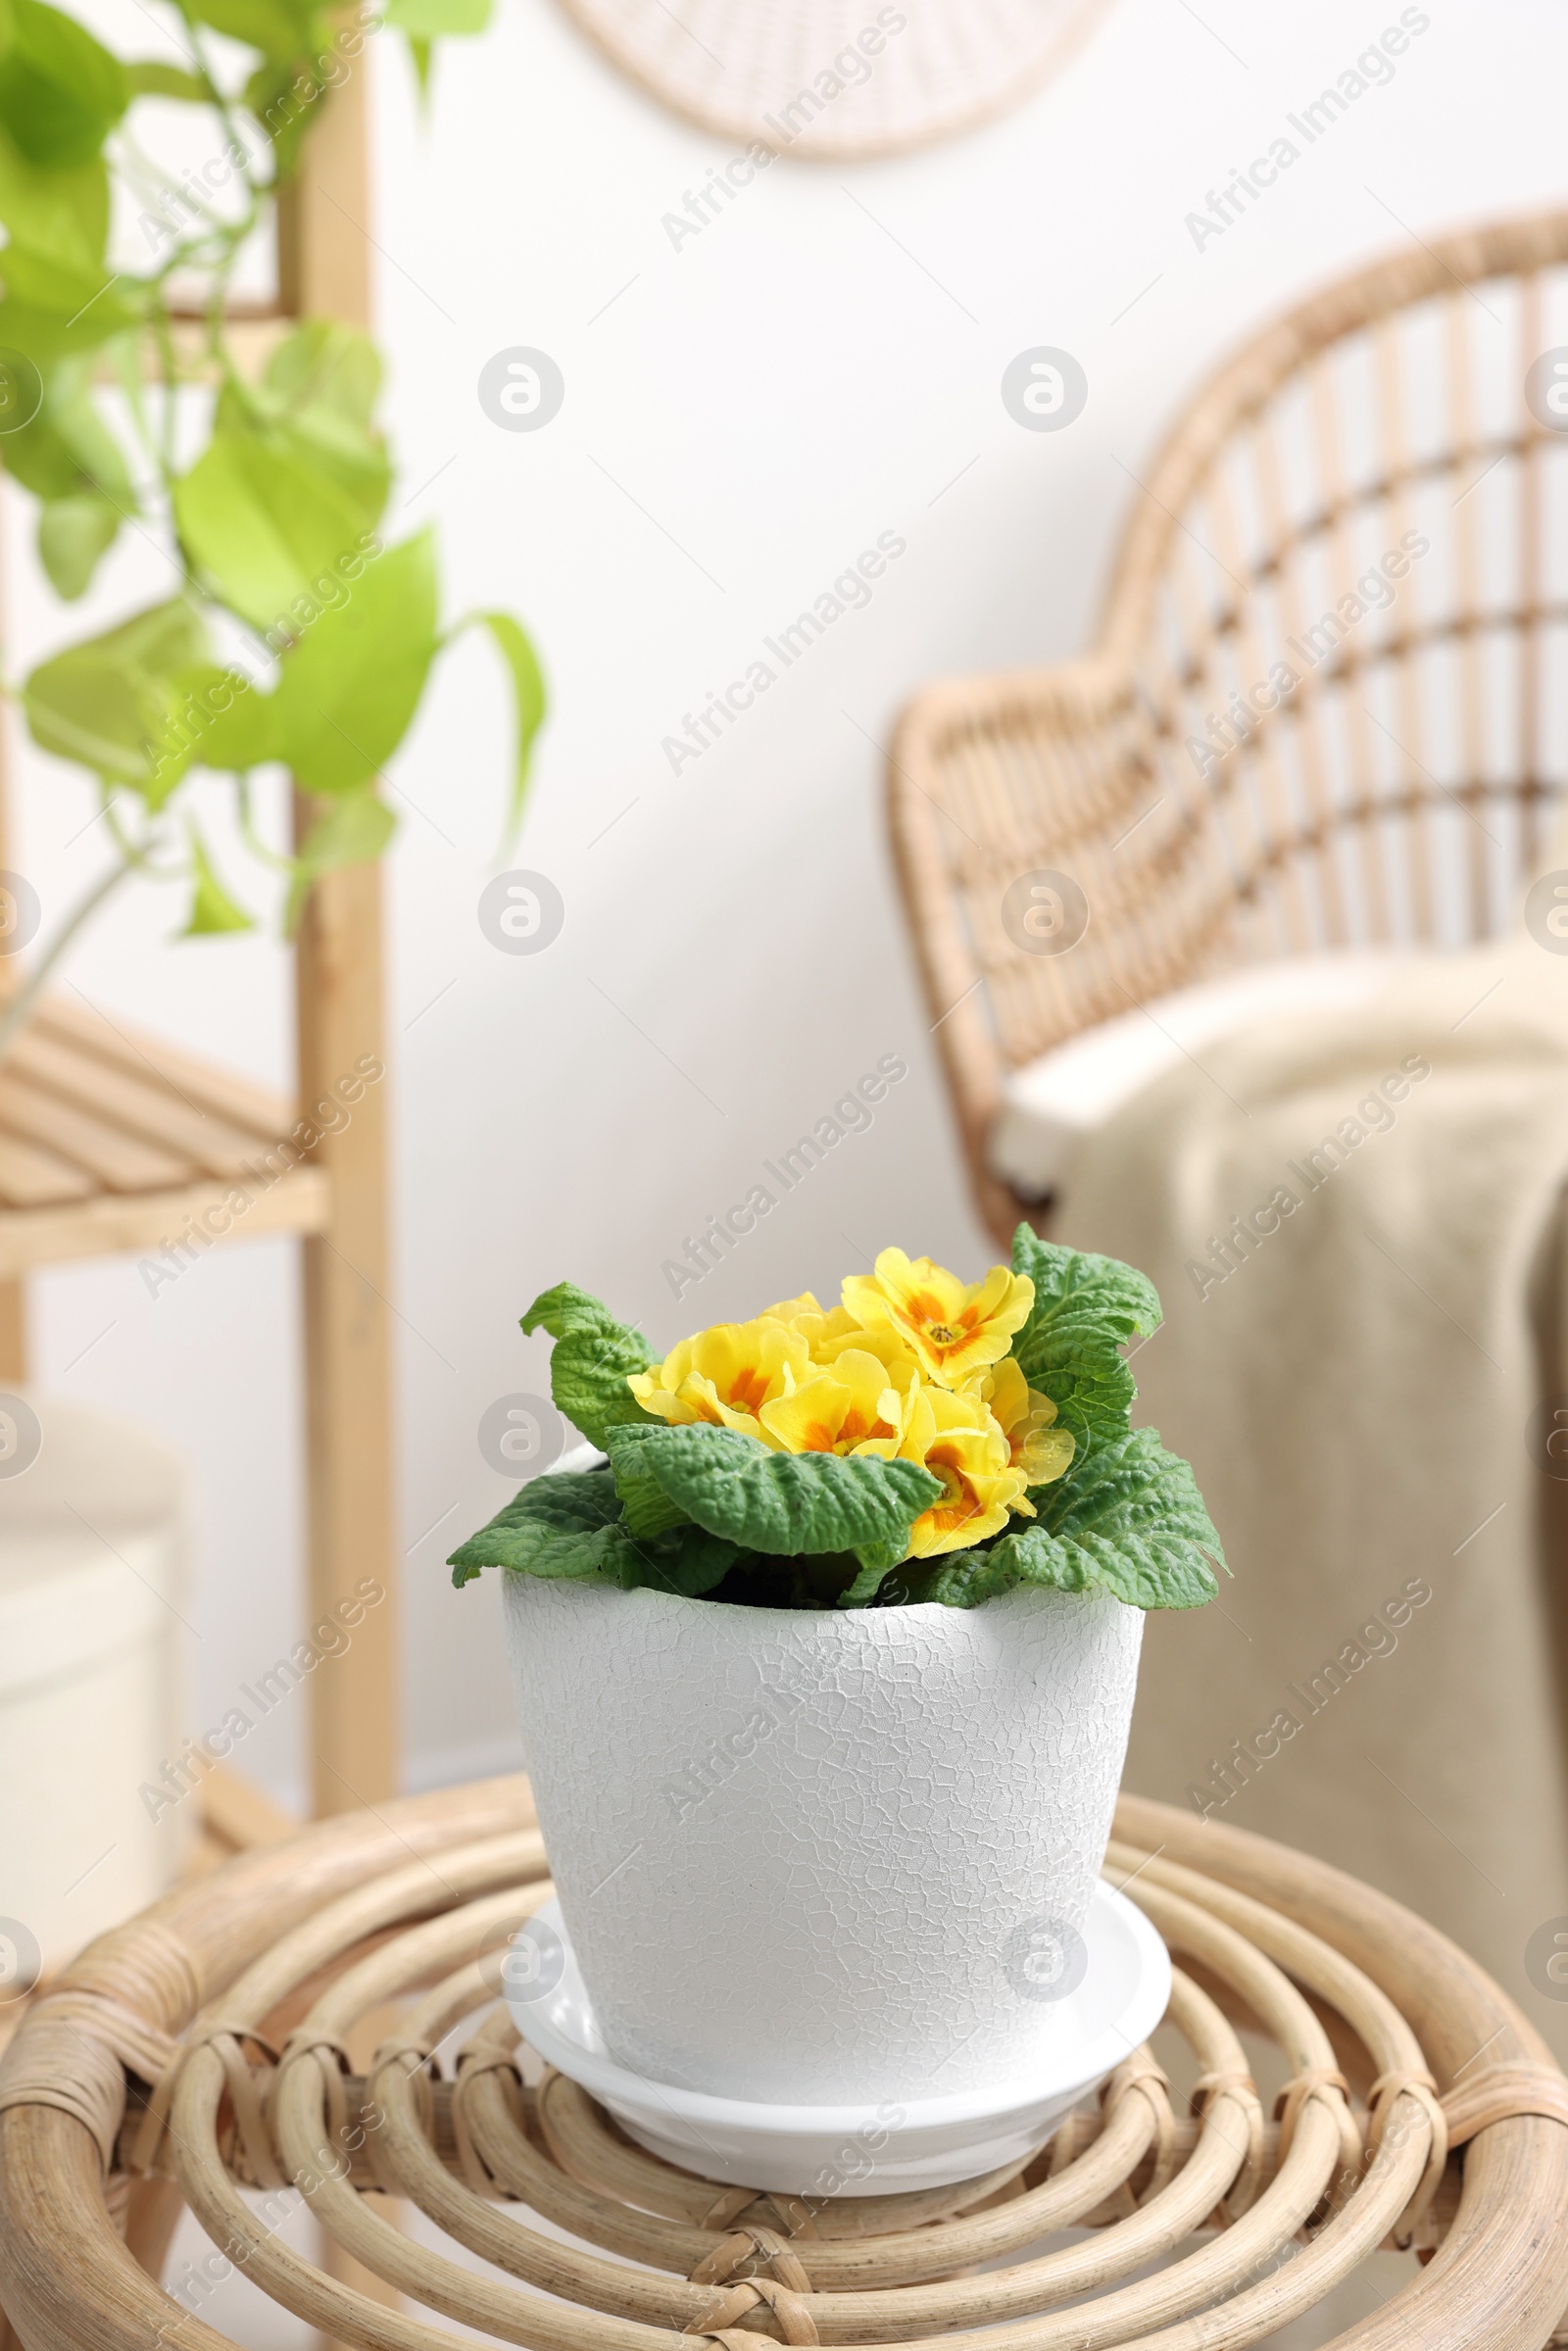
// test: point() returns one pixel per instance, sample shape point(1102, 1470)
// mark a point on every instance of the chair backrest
point(1326, 707)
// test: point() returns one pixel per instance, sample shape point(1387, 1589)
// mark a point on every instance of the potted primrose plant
point(825, 1669)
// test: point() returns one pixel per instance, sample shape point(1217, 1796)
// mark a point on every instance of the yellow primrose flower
point(955, 1329)
point(828, 1331)
point(790, 1310)
point(1025, 1417)
point(819, 1326)
point(956, 1437)
point(724, 1375)
point(849, 1409)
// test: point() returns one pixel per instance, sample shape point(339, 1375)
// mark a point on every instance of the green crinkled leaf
point(594, 1357)
point(647, 1507)
point(1086, 1309)
point(874, 1562)
point(1132, 1523)
point(569, 1525)
point(784, 1504)
point(686, 1560)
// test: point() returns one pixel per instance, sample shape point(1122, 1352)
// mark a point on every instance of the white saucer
point(872, 2148)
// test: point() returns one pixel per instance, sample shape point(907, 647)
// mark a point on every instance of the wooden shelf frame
point(111, 1142)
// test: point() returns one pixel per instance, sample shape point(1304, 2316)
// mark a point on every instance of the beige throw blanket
point(1357, 1225)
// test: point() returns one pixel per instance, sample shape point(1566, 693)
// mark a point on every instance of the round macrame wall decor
point(832, 80)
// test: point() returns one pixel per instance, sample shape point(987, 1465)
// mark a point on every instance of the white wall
point(746, 415)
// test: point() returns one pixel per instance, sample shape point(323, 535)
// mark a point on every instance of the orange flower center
point(852, 1431)
point(957, 1501)
point(748, 1390)
point(927, 1314)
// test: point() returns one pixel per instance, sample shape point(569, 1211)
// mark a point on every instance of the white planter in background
point(93, 1539)
point(820, 1856)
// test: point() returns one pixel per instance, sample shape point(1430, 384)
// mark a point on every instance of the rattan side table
point(201, 2054)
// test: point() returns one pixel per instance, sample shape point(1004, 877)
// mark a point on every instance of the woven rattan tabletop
point(322, 2019)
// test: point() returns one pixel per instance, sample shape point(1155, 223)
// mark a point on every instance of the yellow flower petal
point(954, 1437)
point(850, 1409)
point(978, 1493)
point(1047, 1457)
point(821, 1327)
point(790, 1310)
point(900, 1362)
point(1042, 1451)
point(1007, 1392)
point(808, 1420)
point(954, 1329)
point(663, 1402)
point(724, 1375)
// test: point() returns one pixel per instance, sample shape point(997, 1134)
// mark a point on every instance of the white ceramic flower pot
point(93, 1541)
point(820, 1856)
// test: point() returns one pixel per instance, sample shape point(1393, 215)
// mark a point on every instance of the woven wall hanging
point(837, 78)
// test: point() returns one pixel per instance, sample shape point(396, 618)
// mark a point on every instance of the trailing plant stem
point(18, 1008)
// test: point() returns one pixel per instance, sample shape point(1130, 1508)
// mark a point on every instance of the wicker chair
point(1398, 790)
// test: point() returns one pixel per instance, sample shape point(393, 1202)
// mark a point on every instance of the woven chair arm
point(1050, 770)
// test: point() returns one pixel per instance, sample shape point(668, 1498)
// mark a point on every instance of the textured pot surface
point(93, 1539)
point(864, 2147)
point(816, 1856)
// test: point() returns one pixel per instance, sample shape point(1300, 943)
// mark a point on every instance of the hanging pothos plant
point(293, 634)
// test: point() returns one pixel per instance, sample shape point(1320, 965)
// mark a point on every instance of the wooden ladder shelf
point(113, 1141)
